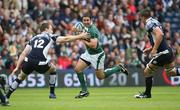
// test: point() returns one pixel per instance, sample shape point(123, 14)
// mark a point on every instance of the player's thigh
point(100, 74)
point(22, 76)
point(150, 69)
point(81, 65)
point(43, 68)
point(98, 61)
point(170, 69)
point(52, 68)
point(27, 67)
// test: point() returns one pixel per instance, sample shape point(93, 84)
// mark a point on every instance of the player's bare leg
point(171, 70)
point(81, 65)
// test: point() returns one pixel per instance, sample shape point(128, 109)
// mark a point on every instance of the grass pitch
point(114, 98)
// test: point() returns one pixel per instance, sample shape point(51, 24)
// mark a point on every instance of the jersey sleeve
point(150, 25)
point(54, 37)
point(94, 32)
point(30, 42)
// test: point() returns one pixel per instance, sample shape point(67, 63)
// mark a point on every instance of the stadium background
point(122, 34)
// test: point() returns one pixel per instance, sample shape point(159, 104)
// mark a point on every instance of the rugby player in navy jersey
point(160, 52)
point(34, 57)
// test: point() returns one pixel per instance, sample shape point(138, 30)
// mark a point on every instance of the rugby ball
point(79, 26)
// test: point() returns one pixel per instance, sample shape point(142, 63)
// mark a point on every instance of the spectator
point(120, 26)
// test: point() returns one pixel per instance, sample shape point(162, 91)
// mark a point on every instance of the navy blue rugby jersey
point(40, 45)
point(150, 25)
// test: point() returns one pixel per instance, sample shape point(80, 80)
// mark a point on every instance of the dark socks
point(13, 87)
point(149, 81)
point(52, 82)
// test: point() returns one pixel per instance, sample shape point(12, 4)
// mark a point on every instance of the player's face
point(50, 30)
point(86, 21)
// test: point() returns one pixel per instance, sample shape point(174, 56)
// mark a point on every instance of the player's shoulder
point(151, 23)
point(42, 36)
point(93, 28)
point(53, 37)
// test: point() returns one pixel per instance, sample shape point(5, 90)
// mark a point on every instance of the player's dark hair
point(145, 13)
point(44, 26)
point(87, 15)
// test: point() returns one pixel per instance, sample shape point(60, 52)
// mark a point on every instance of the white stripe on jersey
point(45, 51)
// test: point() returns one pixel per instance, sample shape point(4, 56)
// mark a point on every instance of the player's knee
point(77, 70)
point(171, 71)
point(100, 77)
point(52, 69)
point(22, 76)
point(148, 72)
point(145, 72)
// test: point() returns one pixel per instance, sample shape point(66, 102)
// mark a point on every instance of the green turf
point(115, 98)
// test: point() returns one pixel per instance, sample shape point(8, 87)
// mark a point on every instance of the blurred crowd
point(122, 32)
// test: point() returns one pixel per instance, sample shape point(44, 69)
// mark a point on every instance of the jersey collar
point(45, 32)
point(148, 19)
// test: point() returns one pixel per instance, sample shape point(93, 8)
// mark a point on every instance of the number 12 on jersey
point(38, 43)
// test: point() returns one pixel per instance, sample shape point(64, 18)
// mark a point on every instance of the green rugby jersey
point(94, 32)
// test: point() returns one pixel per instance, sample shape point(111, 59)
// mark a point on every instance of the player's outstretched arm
point(69, 38)
point(21, 58)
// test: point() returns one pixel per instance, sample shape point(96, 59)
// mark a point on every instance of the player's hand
point(86, 39)
point(147, 51)
point(14, 71)
point(85, 36)
point(76, 30)
point(153, 53)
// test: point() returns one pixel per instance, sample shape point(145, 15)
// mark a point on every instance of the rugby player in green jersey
point(93, 56)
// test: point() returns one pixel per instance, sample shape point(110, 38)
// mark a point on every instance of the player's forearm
point(21, 58)
point(90, 44)
point(67, 38)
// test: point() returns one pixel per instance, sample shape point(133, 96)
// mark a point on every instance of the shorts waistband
point(40, 62)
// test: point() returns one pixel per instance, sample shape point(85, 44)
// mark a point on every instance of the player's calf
point(52, 82)
point(13, 87)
